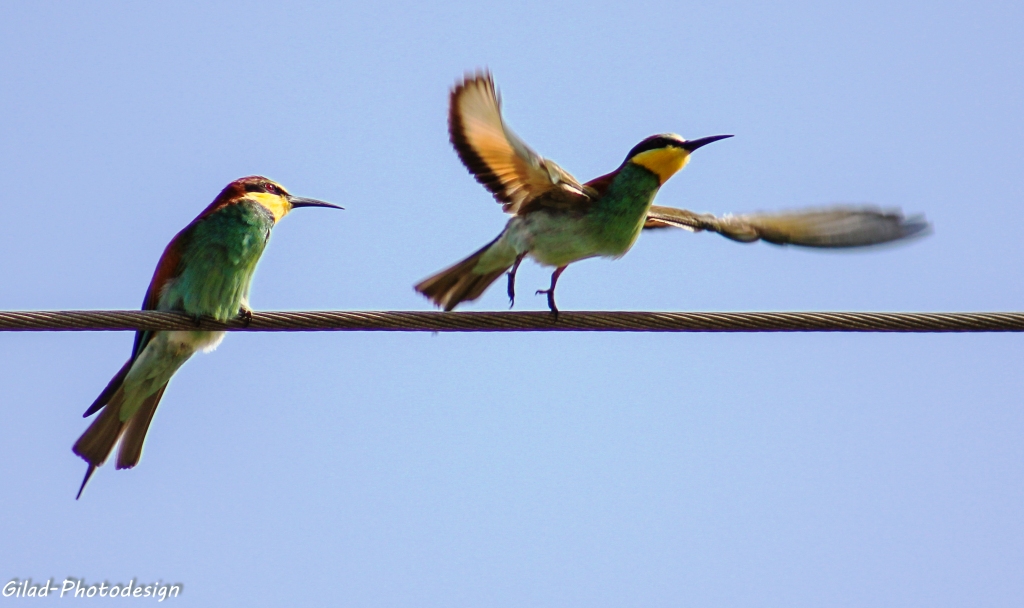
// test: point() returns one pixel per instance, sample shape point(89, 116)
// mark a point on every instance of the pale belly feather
point(555, 240)
point(166, 352)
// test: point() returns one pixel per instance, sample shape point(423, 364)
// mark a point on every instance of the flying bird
point(206, 270)
point(556, 220)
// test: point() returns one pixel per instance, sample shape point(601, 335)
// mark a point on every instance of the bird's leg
point(197, 319)
point(512, 280)
point(551, 290)
point(245, 314)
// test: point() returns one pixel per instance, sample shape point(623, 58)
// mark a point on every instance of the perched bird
point(206, 270)
point(556, 220)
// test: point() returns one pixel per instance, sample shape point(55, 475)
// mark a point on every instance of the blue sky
point(518, 469)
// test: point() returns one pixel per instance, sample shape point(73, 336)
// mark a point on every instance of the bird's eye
point(271, 188)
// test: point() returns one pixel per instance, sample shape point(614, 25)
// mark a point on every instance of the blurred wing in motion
point(824, 227)
point(498, 159)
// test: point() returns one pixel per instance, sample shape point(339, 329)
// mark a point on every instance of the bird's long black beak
point(298, 201)
point(693, 144)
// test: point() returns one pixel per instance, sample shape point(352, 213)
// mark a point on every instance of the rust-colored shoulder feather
point(168, 268)
point(599, 185)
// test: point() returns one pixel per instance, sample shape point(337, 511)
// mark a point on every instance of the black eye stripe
point(263, 187)
point(655, 142)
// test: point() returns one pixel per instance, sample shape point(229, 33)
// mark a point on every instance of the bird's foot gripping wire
point(551, 301)
point(512, 280)
point(551, 291)
point(245, 315)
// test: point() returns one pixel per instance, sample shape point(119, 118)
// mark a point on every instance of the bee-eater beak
point(298, 201)
point(693, 144)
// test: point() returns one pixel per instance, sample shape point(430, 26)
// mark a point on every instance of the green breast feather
point(219, 260)
point(619, 215)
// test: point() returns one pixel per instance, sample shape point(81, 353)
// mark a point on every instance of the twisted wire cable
point(900, 322)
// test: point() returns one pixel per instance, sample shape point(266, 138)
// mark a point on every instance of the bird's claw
point(551, 301)
point(512, 280)
point(245, 314)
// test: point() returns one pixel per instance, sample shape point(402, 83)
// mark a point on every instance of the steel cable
point(905, 322)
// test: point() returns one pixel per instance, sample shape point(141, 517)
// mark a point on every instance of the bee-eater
point(206, 270)
point(556, 220)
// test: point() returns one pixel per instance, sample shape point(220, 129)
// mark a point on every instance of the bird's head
point(667, 153)
point(268, 194)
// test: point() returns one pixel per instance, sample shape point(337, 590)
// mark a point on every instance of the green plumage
point(557, 235)
point(218, 260)
point(557, 220)
point(206, 270)
point(617, 218)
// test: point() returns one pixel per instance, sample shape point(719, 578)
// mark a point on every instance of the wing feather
point(168, 268)
point(832, 227)
point(499, 160)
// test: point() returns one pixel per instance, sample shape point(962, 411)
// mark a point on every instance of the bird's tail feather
point(98, 441)
point(85, 480)
point(468, 279)
point(135, 432)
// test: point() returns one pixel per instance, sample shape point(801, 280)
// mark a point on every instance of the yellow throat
point(276, 204)
point(663, 162)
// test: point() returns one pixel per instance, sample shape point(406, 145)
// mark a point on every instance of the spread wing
point(498, 159)
point(843, 226)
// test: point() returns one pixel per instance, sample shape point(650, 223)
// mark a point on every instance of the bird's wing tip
point(915, 226)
